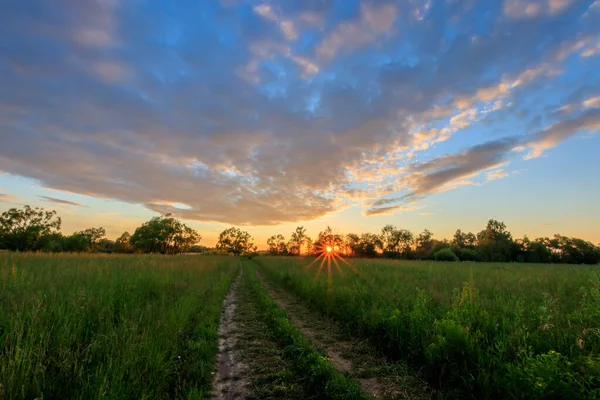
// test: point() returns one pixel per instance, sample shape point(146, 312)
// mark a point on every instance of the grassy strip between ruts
point(322, 380)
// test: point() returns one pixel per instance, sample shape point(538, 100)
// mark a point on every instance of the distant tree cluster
point(495, 244)
point(35, 229)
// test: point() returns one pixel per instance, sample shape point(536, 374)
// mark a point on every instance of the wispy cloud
point(61, 201)
point(550, 137)
point(7, 197)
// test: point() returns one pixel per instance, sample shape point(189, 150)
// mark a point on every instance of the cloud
point(550, 137)
point(592, 102)
point(390, 209)
point(7, 197)
point(448, 172)
point(308, 67)
point(372, 23)
point(545, 224)
point(534, 8)
point(256, 114)
point(496, 174)
point(111, 72)
point(60, 201)
point(287, 26)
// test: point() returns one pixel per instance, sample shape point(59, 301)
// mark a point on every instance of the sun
point(326, 254)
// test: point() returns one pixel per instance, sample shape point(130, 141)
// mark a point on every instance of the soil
point(229, 382)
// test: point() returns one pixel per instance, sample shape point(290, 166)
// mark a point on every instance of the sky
point(272, 114)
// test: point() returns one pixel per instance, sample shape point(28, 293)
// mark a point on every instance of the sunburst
point(329, 253)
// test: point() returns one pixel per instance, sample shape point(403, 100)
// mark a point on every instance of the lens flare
point(328, 253)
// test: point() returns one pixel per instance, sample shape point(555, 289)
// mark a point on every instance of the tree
point(389, 239)
point(277, 245)
point(495, 242)
point(353, 244)
point(106, 246)
point(297, 240)
point(405, 241)
point(573, 250)
point(164, 234)
point(51, 243)
point(234, 240)
point(396, 242)
point(122, 244)
point(445, 254)
point(327, 238)
point(22, 229)
point(86, 241)
point(368, 245)
point(424, 244)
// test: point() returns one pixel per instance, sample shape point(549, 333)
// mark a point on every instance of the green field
point(145, 327)
point(88, 327)
point(494, 330)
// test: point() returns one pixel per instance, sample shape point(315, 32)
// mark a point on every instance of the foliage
point(86, 241)
point(327, 238)
point(466, 254)
point(277, 245)
point(425, 244)
point(22, 229)
point(298, 240)
point(234, 240)
point(494, 243)
point(165, 235)
point(365, 245)
point(123, 243)
point(445, 254)
point(119, 327)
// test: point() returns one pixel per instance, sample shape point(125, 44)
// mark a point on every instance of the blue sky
point(273, 114)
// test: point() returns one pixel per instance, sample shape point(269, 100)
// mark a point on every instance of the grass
point(269, 373)
point(490, 330)
point(92, 327)
point(377, 375)
point(320, 379)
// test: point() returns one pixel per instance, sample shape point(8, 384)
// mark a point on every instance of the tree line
point(36, 229)
point(494, 244)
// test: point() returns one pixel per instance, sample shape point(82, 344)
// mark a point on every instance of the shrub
point(445, 255)
point(468, 255)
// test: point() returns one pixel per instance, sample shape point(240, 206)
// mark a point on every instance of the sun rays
point(328, 256)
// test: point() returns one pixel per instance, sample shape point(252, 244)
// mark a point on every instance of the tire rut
point(229, 382)
point(338, 350)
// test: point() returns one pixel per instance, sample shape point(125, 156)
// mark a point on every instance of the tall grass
point(493, 330)
point(92, 327)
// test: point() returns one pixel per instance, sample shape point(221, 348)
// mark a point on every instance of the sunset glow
point(271, 115)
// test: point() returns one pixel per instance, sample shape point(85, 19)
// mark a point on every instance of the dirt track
point(229, 382)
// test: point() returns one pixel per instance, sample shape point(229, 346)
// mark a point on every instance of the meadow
point(146, 326)
point(488, 330)
point(91, 327)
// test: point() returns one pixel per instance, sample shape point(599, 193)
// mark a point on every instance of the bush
point(445, 255)
point(468, 255)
